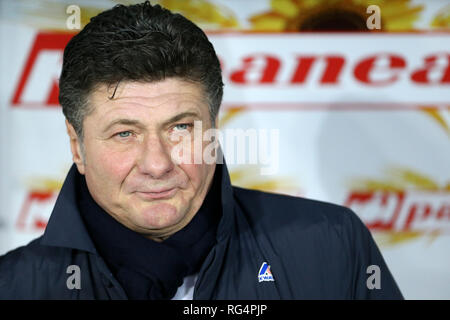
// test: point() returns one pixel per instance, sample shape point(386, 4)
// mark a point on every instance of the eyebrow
point(137, 123)
point(124, 122)
point(181, 116)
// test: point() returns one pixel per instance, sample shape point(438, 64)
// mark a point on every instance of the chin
point(161, 215)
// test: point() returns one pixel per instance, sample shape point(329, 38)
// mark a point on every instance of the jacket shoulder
point(266, 207)
point(33, 254)
point(20, 266)
point(331, 238)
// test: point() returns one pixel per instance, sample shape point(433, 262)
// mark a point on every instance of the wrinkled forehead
point(150, 91)
point(173, 92)
point(150, 103)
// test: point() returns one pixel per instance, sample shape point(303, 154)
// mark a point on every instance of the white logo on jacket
point(264, 273)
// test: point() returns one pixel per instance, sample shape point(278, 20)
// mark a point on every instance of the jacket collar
point(67, 229)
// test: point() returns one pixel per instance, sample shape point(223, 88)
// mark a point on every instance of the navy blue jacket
point(315, 250)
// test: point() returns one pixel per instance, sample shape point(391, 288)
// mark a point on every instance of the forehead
point(165, 96)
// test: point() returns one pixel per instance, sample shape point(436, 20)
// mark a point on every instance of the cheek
point(196, 173)
point(112, 165)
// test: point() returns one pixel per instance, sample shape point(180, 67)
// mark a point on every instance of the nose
point(155, 159)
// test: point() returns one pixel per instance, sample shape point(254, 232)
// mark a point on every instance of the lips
point(157, 194)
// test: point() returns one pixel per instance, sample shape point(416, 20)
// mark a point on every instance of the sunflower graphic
point(334, 15)
point(207, 14)
point(440, 116)
point(401, 179)
point(51, 15)
point(442, 19)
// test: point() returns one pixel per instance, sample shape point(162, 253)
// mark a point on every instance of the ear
point(75, 147)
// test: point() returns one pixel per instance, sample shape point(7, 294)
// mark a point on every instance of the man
point(132, 221)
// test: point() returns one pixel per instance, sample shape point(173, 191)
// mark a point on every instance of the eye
point(124, 134)
point(182, 126)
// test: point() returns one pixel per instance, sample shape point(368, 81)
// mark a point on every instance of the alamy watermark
point(374, 280)
point(243, 146)
point(73, 21)
point(74, 280)
point(374, 20)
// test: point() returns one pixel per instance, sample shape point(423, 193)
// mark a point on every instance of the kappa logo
point(264, 273)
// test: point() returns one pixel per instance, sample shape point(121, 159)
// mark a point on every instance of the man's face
point(128, 141)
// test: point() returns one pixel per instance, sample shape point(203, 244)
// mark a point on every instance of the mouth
point(159, 194)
